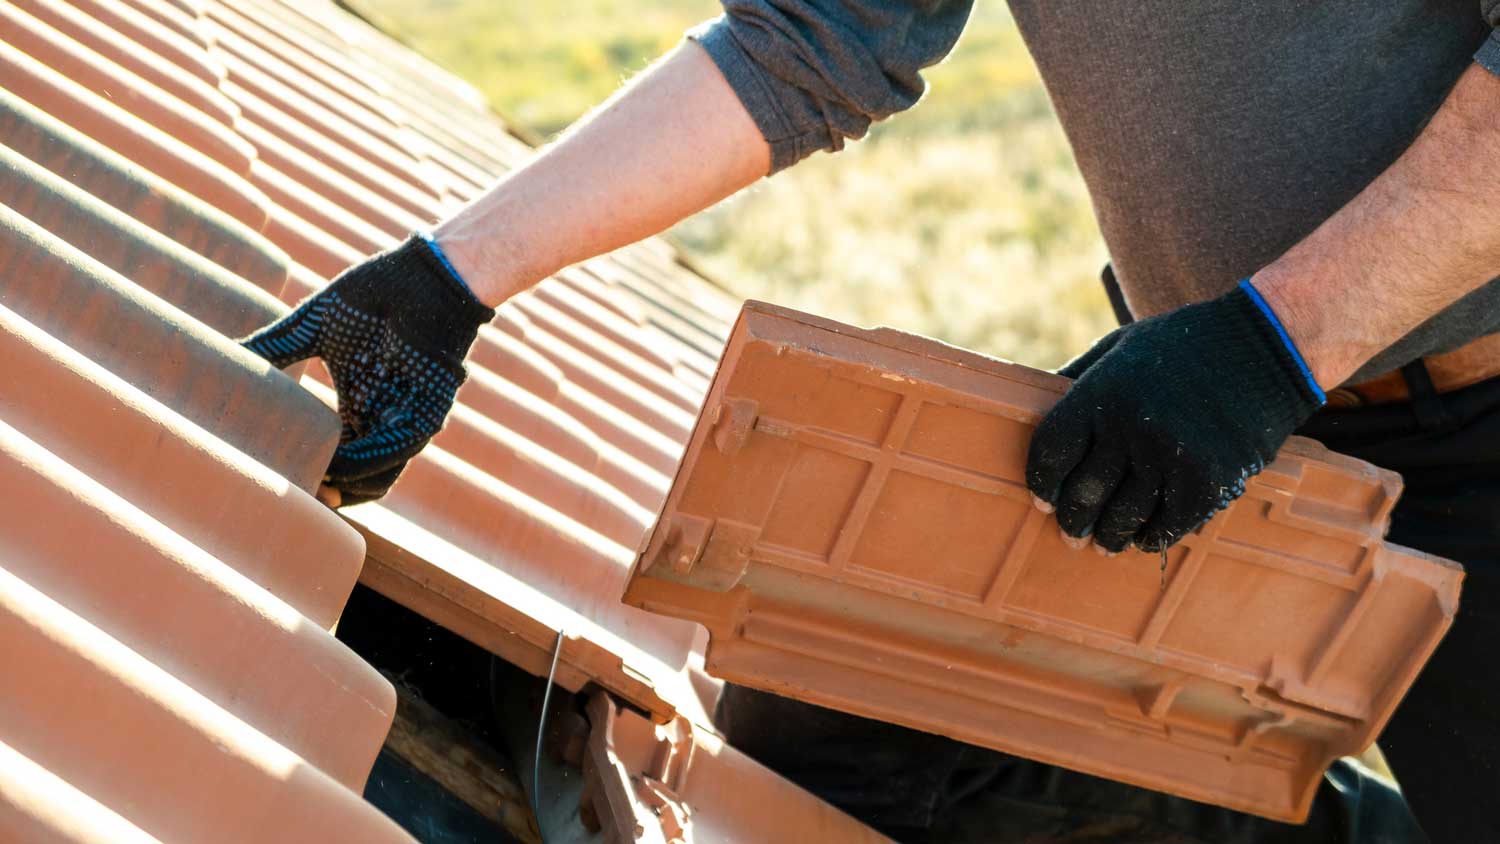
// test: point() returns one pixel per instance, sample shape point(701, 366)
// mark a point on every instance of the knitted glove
point(1167, 419)
point(393, 332)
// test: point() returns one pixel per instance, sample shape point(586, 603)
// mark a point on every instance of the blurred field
point(963, 218)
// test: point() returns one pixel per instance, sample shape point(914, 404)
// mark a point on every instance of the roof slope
point(175, 172)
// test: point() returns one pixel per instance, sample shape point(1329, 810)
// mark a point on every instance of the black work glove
point(393, 332)
point(1168, 418)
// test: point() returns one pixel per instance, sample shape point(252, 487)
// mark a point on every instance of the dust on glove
point(393, 332)
point(1168, 419)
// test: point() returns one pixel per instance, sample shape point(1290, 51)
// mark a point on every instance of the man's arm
point(753, 92)
point(1418, 238)
point(768, 84)
point(1170, 416)
point(672, 142)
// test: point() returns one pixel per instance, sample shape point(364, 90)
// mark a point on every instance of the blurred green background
point(964, 218)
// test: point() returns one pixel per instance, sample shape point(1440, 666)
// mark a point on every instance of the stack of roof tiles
point(175, 173)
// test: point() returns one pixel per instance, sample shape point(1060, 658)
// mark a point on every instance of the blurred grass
point(963, 218)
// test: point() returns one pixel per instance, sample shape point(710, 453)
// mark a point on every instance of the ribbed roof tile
point(175, 174)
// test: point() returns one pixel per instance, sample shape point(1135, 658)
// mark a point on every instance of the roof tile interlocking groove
point(851, 523)
point(174, 173)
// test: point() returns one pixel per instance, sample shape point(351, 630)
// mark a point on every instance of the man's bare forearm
point(1419, 237)
point(671, 143)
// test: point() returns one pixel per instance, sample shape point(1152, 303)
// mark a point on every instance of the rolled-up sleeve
point(1489, 52)
point(815, 72)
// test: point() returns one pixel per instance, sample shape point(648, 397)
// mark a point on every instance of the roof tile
point(241, 152)
point(851, 523)
point(148, 198)
point(273, 533)
point(163, 352)
point(140, 142)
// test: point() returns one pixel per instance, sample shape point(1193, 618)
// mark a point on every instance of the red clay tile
point(186, 49)
point(267, 529)
point(128, 135)
point(297, 95)
point(623, 332)
point(213, 295)
point(122, 87)
point(371, 208)
point(464, 144)
point(679, 785)
point(316, 145)
point(650, 374)
point(476, 556)
point(851, 523)
point(320, 133)
point(187, 612)
point(518, 522)
point(143, 195)
point(494, 447)
point(236, 31)
point(622, 385)
point(310, 246)
point(696, 321)
point(223, 782)
point(178, 17)
point(246, 29)
point(164, 353)
point(513, 359)
point(328, 215)
point(188, 74)
point(40, 808)
point(546, 424)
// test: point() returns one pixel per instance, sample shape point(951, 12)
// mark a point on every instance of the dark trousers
point(1443, 742)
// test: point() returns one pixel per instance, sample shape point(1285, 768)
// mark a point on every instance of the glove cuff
point(1251, 343)
point(1312, 391)
point(432, 308)
point(420, 274)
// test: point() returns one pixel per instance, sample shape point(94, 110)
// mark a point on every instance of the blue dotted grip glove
point(1167, 420)
point(393, 332)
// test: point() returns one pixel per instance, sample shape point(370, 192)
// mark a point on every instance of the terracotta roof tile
point(196, 121)
point(180, 17)
point(149, 146)
point(274, 533)
point(851, 523)
point(168, 758)
point(181, 45)
point(46, 809)
point(189, 367)
point(183, 70)
point(148, 198)
point(154, 262)
point(174, 174)
point(191, 613)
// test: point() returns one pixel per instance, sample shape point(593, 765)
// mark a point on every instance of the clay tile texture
point(851, 524)
point(173, 175)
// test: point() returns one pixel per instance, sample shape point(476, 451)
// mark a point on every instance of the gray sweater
point(1212, 136)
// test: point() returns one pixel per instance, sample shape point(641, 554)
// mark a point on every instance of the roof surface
point(175, 173)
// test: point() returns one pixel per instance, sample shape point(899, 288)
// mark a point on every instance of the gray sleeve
point(1489, 52)
point(814, 72)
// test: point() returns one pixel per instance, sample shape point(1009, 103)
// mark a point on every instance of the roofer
point(1302, 209)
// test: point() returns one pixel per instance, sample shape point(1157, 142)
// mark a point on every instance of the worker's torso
point(1214, 135)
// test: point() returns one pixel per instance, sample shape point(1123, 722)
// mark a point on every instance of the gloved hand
point(1167, 419)
point(393, 332)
